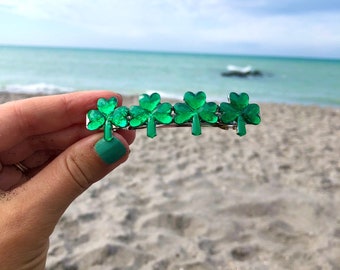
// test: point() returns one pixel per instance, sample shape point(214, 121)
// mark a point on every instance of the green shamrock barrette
point(195, 112)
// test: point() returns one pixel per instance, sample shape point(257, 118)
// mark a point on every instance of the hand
point(48, 136)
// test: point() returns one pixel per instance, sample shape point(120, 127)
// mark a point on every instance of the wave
point(215, 97)
point(36, 89)
point(165, 94)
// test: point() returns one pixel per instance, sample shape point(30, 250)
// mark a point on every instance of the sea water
point(39, 70)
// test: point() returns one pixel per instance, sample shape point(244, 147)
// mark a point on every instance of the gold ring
point(21, 167)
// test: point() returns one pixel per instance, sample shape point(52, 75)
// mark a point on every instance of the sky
point(306, 28)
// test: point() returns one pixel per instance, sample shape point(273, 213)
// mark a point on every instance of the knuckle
point(78, 173)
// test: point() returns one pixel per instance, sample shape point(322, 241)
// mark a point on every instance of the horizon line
point(39, 46)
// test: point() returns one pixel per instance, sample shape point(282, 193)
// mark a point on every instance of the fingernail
point(111, 151)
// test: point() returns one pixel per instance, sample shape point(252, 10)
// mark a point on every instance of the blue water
point(55, 70)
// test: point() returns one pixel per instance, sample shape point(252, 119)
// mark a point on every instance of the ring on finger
point(21, 167)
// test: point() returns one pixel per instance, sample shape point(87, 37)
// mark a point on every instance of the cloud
point(220, 25)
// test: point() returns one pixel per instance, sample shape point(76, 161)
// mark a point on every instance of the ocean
point(39, 70)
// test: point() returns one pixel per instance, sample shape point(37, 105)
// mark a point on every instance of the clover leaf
point(241, 111)
point(150, 111)
point(194, 109)
point(106, 116)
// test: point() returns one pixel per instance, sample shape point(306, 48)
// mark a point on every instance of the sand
point(269, 200)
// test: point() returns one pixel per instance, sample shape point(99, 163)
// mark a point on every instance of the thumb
point(47, 195)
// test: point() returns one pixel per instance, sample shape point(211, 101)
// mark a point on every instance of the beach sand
point(268, 200)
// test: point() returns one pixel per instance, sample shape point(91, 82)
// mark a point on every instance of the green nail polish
point(110, 151)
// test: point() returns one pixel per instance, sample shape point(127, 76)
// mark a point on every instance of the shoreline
point(129, 100)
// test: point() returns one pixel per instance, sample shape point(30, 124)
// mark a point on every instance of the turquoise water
point(54, 70)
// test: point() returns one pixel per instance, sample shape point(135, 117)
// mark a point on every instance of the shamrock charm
point(194, 109)
point(150, 111)
point(107, 116)
point(241, 111)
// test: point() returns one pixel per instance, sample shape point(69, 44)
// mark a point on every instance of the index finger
point(39, 115)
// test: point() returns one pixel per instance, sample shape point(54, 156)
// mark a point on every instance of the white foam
point(38, 88)
point(210, 97)
point(165, 94)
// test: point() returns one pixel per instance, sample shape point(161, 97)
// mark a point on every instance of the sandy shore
point(269, 200)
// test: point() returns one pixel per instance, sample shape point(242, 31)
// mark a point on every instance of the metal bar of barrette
point(174, 125)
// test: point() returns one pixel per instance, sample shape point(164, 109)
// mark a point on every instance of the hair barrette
point(195, 112)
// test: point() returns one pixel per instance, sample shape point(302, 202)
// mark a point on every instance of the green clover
point(194, 109)
point(107, 116)
point(241, 111)
point(150, 111)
